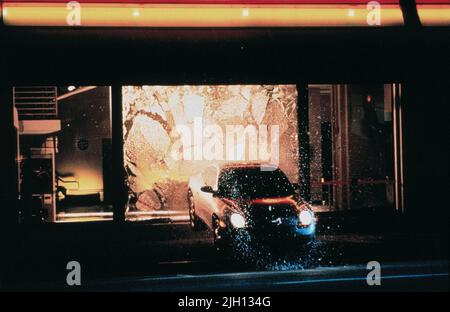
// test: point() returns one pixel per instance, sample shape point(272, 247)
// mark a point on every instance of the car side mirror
point(207, 189)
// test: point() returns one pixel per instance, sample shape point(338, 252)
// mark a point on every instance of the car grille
point(262, 216)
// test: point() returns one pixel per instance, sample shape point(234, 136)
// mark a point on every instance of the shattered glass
point(152, 116)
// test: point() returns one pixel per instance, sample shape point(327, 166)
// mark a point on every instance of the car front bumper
point(283, 233)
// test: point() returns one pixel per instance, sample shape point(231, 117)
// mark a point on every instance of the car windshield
point(252, 183)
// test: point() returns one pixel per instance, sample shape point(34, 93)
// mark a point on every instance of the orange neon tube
point(197, 15)
point(434, 15)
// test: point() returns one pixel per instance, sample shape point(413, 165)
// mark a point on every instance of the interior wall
point(85, 123)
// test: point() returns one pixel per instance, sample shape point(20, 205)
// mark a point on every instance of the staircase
point(36, 102)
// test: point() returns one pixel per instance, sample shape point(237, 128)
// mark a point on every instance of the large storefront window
point(351, 136)
point(65, 144)
point(175, 134)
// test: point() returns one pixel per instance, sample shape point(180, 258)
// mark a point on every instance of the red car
point(248, 198)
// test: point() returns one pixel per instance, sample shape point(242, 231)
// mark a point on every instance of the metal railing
point(36, 102)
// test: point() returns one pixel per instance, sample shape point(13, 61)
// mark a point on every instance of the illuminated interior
point(65, 136)
point(173, 133)
point(349, 168)
point(157, 119)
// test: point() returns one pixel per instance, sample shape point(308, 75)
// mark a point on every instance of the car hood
point(243, 204)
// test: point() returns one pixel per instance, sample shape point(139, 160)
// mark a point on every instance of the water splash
point(280, 257)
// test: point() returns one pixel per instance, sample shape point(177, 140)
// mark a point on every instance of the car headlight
point(305, 217)
point(237, 220)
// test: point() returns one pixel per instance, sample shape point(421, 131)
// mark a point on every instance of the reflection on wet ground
point(105, 251)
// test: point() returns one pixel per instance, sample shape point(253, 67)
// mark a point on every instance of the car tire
point(194, 220)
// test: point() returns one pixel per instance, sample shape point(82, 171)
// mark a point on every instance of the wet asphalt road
point(400, 276)
point(171, 257)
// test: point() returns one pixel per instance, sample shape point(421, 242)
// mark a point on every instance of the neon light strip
point(434, 15)
point(228, 2)
point(201, 15)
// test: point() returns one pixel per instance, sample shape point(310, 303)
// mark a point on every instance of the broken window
point(174, 132)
